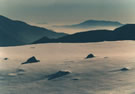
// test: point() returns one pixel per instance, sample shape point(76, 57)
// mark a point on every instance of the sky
point(68, 11)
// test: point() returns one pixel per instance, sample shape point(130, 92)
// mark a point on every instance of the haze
point(68, 11)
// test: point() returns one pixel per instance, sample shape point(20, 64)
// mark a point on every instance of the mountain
point(82, 37)
point(126, 32)
point(94, 24)
point(44, 40)
point(89, 36)
point(14, 32)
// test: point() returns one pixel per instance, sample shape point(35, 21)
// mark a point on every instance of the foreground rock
point(124, 69)
point(5, 58)
point(90, 56)
point(31, 60)
point(20, 70)
point(58, 74)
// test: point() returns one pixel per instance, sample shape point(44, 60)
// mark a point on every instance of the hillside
point(13, 32)
point(126, 32)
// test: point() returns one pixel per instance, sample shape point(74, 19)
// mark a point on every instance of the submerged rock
point(90, 56)
point(58, 74)
point(6, 58)
point(20, 70)
point(31, 60)
point(76, 79)
point(124, 69)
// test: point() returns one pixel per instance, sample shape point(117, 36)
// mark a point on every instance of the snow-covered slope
point(99, 75)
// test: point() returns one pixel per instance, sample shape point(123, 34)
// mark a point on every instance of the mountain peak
point(94, 24)
point(14, 32)
point(100, 22)
point(126, 28)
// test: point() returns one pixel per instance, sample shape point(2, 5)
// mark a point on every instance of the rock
point(58, 74)
point(31, 60)
point(90, 56)
point(5, 58)
point(20, 70)
point(124, 69)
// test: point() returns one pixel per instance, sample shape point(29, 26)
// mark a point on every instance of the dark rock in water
point(90, 56)
point(5, 58)
point(58, 74)
point(20, 70)
point(124, 69)
point(31, 60)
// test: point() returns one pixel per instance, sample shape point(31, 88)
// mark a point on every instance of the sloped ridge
point(126, 32)
point(14, 32)
point(43, 40)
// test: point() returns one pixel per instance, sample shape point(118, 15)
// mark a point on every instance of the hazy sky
point(68, 11)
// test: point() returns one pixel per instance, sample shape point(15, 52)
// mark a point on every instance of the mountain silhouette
point(94, 24)
point(14, 32)
point(44, 40)
point(126, 32)
point(88, 36)
point(82, 37)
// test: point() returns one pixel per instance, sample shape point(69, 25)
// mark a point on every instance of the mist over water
point(71, 30)
point(99, 75)
point(111, 71)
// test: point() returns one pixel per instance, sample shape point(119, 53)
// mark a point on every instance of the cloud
point(67, 10)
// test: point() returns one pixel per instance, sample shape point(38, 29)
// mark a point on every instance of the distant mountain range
point(94, 24)
point(13, 32)
point(126, 32)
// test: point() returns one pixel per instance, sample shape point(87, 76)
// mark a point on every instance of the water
point(99, 75)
